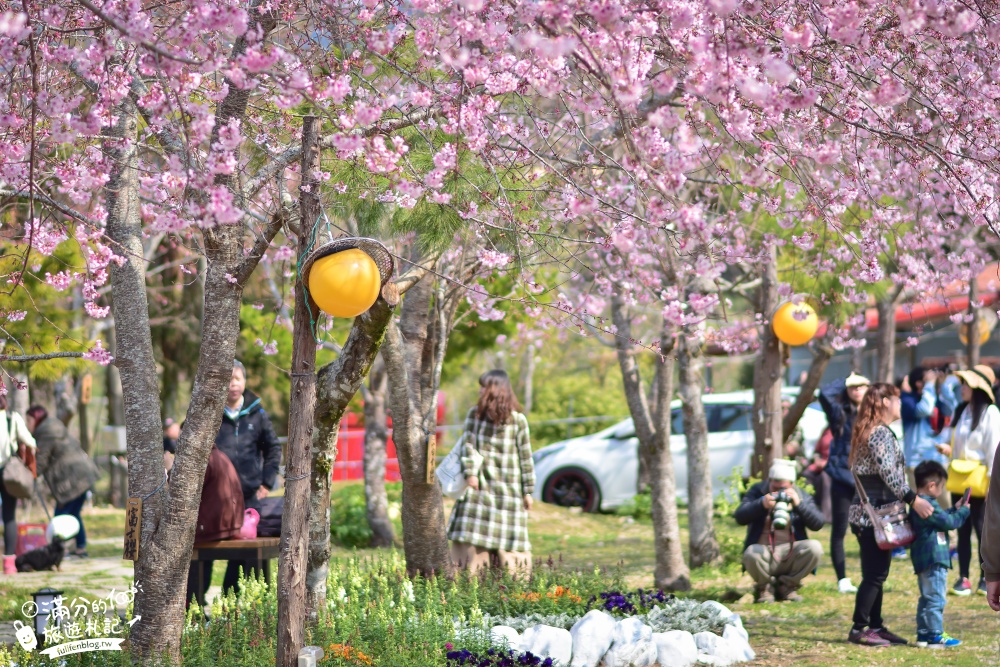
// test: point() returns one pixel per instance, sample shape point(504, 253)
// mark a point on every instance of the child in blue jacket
point(930, 555)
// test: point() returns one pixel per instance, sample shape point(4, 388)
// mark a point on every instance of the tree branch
point(123, 29)
point(280, 162)
point(263, 242)
point(41, 357)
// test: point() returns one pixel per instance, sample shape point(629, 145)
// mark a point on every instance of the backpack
point(270, 511)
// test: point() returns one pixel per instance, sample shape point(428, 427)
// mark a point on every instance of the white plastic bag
point(449, 471)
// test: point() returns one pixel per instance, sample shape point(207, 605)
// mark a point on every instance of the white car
point(600, 471)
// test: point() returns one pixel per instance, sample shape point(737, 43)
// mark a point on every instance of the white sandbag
point(632, 645)
point(592, 637)
point(675, 648)
point(545, 641)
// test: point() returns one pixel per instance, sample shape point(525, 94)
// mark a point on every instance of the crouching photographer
point(777, 552)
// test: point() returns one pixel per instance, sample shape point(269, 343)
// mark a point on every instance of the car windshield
point(722, 418)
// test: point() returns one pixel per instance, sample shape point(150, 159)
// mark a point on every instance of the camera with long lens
point(781, 513)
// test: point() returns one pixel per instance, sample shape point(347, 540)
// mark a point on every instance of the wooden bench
point(262, 549)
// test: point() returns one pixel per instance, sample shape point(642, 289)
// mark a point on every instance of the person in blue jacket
point(840, 400)
point(918, 401)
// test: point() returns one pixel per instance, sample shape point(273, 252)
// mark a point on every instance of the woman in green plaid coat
point(491, 519)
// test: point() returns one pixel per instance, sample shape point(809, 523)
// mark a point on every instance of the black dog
point(48, 557)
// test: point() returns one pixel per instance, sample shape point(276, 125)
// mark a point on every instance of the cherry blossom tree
point(121, 121)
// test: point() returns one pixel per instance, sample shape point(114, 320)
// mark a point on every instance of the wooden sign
point(431, 458)
point(86, 385)
point(133, 528)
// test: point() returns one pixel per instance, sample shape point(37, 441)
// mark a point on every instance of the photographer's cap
point(855, 380)
point(782, 470)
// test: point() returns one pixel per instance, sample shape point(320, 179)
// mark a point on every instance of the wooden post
point(294, 524)
point(84, 388)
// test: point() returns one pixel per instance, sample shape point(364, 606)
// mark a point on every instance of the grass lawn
point(808, 634)
point(811, 633)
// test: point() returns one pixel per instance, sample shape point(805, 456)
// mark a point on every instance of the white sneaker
point(845, 586)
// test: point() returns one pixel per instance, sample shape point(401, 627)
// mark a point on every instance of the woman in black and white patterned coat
point(878, 465)
point(491, 519)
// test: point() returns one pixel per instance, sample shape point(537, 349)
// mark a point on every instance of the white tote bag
point(449, 472)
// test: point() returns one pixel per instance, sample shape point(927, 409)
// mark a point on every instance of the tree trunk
point(886, 348)
point(170, 512)
point(857, 360)
point(376, 438)
point(822, 353)
point(113, 382)
point(64, 392)
point(653, 433)
point(974, 344)
point(160, 628)
point(412, 359)
point(703, 547)
point(302, 408)
point(766, 415)
point(338, 382)
point(19, 399)
point(529, 378)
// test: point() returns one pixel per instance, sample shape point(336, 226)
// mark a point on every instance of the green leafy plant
point(639, 506)
point(348, 519)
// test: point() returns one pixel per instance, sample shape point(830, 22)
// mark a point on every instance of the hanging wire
point(304, 259)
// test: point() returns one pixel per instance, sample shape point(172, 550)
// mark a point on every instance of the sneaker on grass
point(845, 586)
point(890, 636)
point(962, 587)
point(943, 640)
point(866, 637)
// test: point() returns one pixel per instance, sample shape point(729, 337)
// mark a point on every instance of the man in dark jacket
point(779, 557)
point(247, 438)
point(220, 517)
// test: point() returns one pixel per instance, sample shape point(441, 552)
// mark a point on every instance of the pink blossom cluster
point(649, 150)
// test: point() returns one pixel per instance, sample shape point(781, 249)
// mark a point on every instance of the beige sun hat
point(980, 377)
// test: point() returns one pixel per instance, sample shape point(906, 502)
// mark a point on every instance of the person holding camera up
point(777, 552)
point(840, 400)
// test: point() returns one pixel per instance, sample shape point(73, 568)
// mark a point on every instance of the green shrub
point(348, 518)
point(639, 506)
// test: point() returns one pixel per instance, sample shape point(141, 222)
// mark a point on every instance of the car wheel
point(573, 487)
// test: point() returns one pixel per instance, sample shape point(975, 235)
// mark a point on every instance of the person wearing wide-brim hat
point(974, 437)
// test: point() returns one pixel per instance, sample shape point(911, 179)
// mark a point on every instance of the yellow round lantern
point(984, 327)
point(346, 283)
point(795, 323)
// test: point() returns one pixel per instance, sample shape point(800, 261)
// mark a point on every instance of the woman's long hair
point(38, 413)
point(850, 412)
point(980, 401)
point(871, 414)
point(496, 398)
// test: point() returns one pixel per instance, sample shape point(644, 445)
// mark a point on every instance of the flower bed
point(377, 616)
